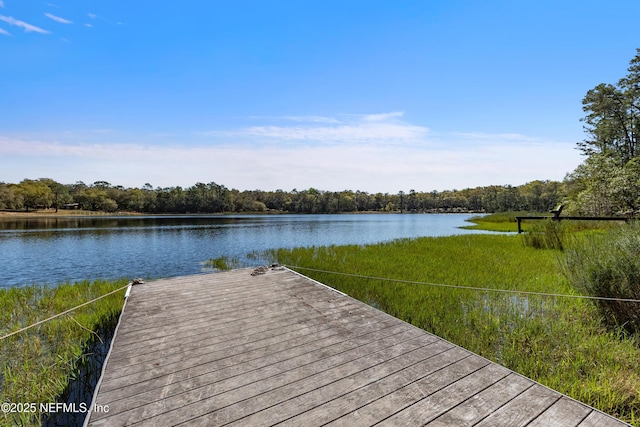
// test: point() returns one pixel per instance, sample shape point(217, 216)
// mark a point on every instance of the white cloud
point(354, 129)
point(382, 117)
point(382, 132)
point(368, 167)
point(5, 32)
point(92, 15)
point(58, 19)
point(312, 119)
point(301, 119)
point(481, 136)
point(25, 26)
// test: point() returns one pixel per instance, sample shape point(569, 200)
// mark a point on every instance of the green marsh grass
point(608, 265)
point(500, 221)
point(222, 263)
point(557, 341)
point(546, 234)
point(36, 365)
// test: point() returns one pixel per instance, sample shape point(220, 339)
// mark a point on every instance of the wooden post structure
point(556, 217)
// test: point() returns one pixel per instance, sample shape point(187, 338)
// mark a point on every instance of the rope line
point(61, 314)
point(473, 288)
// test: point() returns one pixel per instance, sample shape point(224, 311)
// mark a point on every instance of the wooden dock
point(279, 348)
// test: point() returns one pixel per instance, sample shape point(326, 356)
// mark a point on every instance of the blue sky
point(276, 94)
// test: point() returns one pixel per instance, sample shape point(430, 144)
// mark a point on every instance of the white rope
point(60, 314)
point(473, 288)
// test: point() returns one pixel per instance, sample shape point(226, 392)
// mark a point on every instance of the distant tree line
point(31, 194)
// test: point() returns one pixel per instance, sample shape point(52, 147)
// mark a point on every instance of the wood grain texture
point(278, 348)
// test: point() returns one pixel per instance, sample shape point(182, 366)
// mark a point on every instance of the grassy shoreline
point(50, 213)
point(37, 365)
point(62, 213)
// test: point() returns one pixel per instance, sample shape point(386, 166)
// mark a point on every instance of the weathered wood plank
point(438, 401)
point(230, 348)
point(144, 371)
point(272, 304)
point(243, 401)
point(523, 409)
point(377, 400)
point(480, 405)
point(244, 373)
point(564, 413)
point(597, 419)
point(324, 403)
point(211, 336)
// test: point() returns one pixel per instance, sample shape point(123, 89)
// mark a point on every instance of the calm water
point(55, 250)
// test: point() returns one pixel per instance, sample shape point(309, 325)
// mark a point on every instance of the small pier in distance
point(556, 217)
point(236, 349)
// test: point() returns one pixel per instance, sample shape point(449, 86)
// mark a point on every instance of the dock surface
point(232, 349)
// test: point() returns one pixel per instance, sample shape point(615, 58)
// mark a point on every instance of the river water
point(56, 250)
